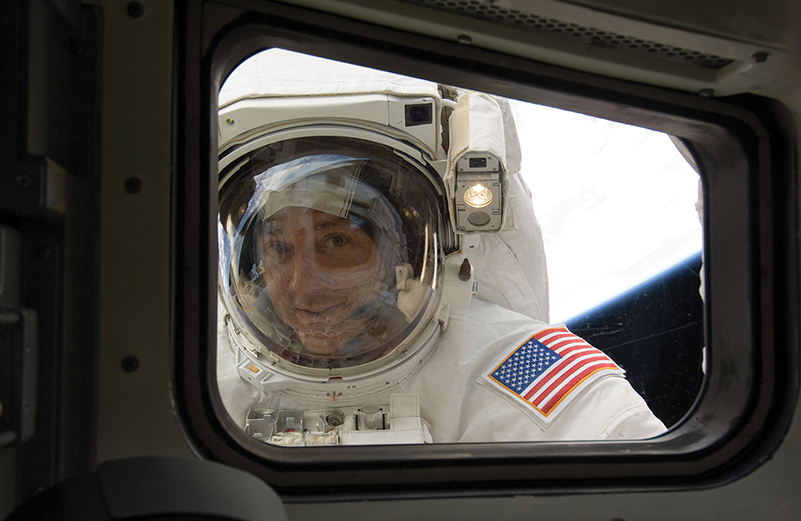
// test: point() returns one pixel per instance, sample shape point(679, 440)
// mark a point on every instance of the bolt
point(130, 364)
point(24, 181)
point(75, 46)
point(135, 10)
point(133, 185)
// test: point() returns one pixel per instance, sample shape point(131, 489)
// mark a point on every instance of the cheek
point(275, 275)
point(276, 287)
point(370, 283)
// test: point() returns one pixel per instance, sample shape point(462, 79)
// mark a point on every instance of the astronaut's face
point(323, 275)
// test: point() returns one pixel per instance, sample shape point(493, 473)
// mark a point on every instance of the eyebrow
point(332, 224)
point(273, 226)
point(334, 221)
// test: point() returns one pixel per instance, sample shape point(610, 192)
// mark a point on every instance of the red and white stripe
point(579, 362)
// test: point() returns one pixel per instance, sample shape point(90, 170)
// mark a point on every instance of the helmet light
point(478, 196)
point(479, 193)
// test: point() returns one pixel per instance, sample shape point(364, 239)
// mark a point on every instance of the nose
point(305, 274)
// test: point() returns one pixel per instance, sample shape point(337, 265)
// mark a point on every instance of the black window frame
point(744, 146)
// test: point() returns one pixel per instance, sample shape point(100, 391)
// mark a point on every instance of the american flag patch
point(547, 370)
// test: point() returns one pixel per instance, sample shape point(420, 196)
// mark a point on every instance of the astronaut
point(381, 272)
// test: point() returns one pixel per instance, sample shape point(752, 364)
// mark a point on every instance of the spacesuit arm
point(624, 413)
point(636, 421)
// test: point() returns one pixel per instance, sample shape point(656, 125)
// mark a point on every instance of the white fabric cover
point(510, 266)
point(278, 73)
point(456, 408)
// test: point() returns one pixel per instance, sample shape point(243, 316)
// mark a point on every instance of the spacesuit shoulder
point(547, 370)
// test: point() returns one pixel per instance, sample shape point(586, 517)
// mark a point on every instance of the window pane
point(339, 254)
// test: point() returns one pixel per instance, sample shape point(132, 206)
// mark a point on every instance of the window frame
point(744, 148)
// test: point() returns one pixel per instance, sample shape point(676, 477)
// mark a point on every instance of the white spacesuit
point(382, 276)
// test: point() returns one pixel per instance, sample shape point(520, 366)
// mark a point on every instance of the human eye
point(338, 241)
point(277, 248)
point(334, 242)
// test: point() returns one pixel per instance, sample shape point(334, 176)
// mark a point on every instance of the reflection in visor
point(310, 244)
point(324, 277)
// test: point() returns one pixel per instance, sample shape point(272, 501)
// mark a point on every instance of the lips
point(328, 321)
point(325, 314)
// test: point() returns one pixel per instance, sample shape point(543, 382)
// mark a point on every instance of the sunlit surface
point(616, 204)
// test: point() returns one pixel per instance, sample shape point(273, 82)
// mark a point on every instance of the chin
point(322, 345)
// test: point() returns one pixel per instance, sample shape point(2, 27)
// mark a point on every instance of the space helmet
point(333, 224)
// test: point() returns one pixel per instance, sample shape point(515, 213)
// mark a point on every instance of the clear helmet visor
point(329, 249)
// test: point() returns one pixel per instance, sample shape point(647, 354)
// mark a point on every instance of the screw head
point(24, 181)
point(130, 364)
point(75, 46)
point(133, 185)
point(135, 10)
